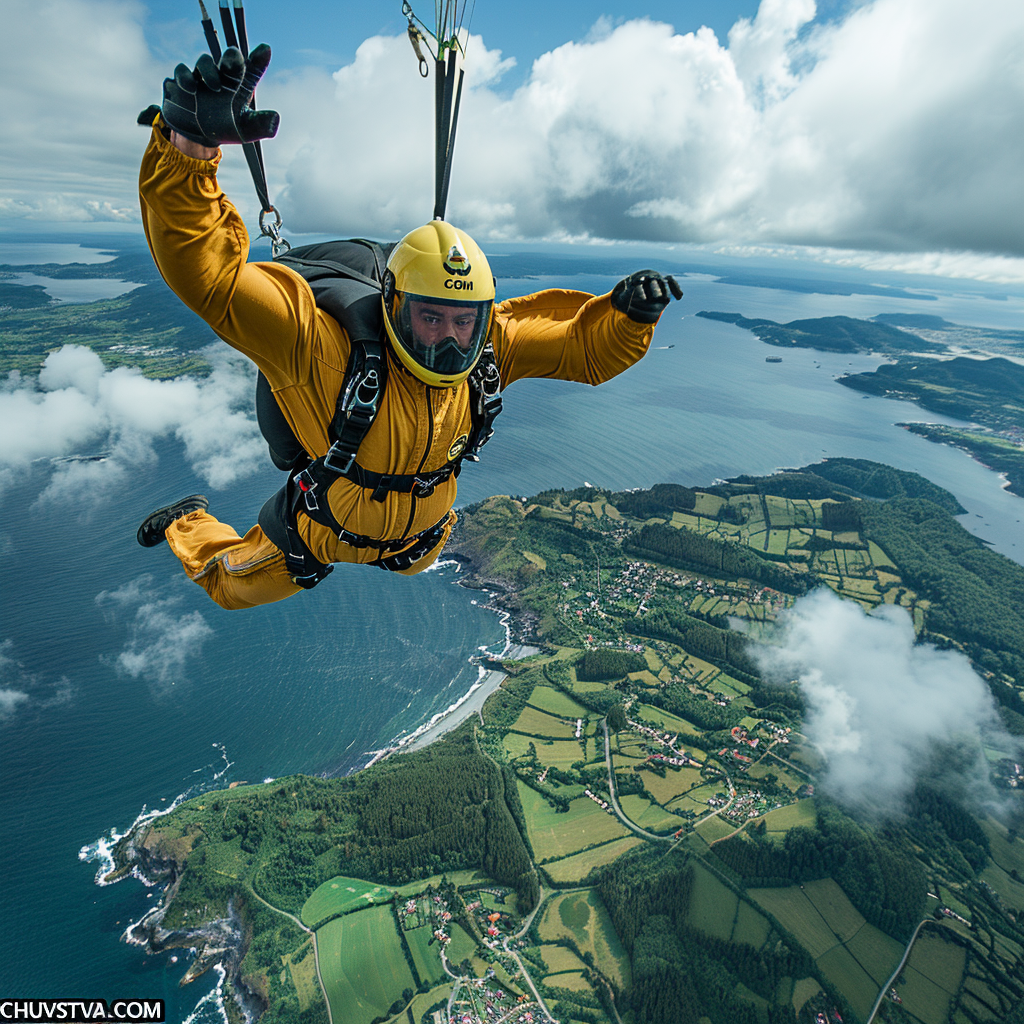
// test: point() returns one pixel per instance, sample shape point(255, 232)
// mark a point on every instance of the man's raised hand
point(210, 104)
point(644, 295)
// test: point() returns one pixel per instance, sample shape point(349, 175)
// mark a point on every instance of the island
point(632, 829)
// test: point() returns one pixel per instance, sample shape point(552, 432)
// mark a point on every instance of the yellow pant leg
point(237, 572)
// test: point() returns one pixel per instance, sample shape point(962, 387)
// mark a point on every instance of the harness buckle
point(338, 460)
point(307, 487)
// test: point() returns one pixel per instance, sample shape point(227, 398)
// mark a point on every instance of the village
point(637, 583)
point(478, 1000)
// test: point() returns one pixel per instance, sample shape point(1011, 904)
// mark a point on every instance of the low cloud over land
point(80, 407)
point(879, 705)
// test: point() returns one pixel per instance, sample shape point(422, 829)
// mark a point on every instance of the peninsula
point(635, 831)
point(930, 367)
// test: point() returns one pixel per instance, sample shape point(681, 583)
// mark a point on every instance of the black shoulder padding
point(345, 277)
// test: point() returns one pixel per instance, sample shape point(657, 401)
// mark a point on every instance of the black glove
point(642, 296)
point(210, 105)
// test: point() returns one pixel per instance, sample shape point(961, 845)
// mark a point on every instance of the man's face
point(432, 323)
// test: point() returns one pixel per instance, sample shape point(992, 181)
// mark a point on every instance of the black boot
point(151, 532)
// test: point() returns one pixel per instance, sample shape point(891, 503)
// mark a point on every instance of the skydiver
point(394, 508)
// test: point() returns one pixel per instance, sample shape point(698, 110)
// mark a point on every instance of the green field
point(676, 782)
point(821, 918)
point(571, 980)
point(462, 947)
point(804, 989)
point(712, 905)
point(647, 815)
point(714, 828)
point(582, 916)
point(933, 976)
point(751, 927)
point(557, 703)
point(302, 968)
point(421, 1002)
point(795, 912)
point(558, 959)
point(561, 753)
point(832, 904)
point(665, 720)
point(557, 835)
point(840, 968)
point(577, 867)
point(426, 954)
point(362, 965)
point(539, 723)
point(696, 800)
point(339, 895)
point(876, 952)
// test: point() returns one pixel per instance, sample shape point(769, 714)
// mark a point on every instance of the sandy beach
point(471, 704)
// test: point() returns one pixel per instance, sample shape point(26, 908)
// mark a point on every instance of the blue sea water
point(318, 682)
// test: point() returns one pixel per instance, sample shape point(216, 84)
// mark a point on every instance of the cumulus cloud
point(161, 639)
point(898, 127)
point(879, 705)
point(12, 682)
point(79, 407)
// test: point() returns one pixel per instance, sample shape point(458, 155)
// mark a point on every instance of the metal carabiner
point(416, 37)
point(278, 244)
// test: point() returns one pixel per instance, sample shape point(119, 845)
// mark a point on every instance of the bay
point(318, 682)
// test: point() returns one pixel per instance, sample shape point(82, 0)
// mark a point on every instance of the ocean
point(138, 690)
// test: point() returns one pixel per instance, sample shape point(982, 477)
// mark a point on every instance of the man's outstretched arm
point(569, 335)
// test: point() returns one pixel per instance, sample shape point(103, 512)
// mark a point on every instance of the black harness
point(345, 278)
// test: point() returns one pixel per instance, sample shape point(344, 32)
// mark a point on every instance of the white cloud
point(879, 705)
point(12, 692)
point(81, 408)
point(10, 700)
point(161, 640)
point(899, 128)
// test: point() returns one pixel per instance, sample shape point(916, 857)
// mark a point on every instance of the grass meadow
point(547, 698)
point(558, 835)
point(712, 905)
point(578, 866)
point(426, 953)
point(539, 723)
point(339, 895)
point(362, 965)
point(583, 917)
point(932, 976)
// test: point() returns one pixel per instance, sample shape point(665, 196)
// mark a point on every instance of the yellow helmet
point(438, 302)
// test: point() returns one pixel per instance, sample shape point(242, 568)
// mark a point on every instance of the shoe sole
point(180, 508)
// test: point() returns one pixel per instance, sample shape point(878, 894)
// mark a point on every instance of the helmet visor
point(444, 336)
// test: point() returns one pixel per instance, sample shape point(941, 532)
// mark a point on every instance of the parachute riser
point(253, 151)
point(448, 52)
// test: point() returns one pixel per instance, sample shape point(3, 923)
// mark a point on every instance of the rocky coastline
point(502, 596)
point(218, 942)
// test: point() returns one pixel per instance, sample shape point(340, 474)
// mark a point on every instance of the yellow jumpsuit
point(267, 311)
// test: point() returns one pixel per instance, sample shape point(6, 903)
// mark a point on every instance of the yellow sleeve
point(201, 246)
point(567, 335)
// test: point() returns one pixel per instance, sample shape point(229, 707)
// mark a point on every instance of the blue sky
point(884, 132)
